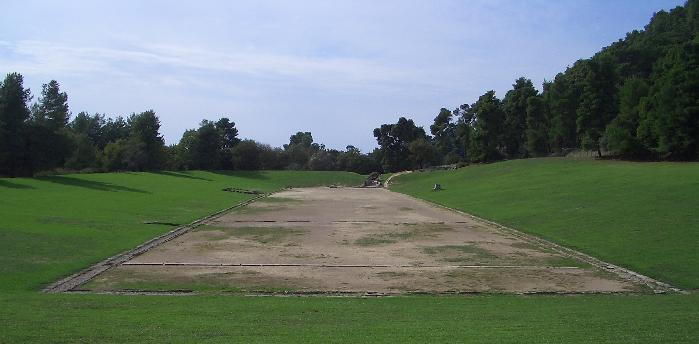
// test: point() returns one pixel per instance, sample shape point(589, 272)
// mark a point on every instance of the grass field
point(230, 319)
point(51, 227)
point(643, 216)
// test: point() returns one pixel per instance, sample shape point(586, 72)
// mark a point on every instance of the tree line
point(635, 99)
point(43, 138)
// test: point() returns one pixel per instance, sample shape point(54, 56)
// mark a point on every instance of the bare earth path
point(349, 240)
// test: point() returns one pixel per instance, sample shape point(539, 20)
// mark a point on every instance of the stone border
point(658, 287)
point(73, 281)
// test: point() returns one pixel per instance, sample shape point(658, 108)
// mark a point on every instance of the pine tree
point(14, 114)
point(515, 107)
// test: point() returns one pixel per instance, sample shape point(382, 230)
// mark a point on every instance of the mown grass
point(644, 216)
point(419, 319)
point(51, 227)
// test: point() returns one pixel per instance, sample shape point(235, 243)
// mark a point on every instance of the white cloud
point(51, 59)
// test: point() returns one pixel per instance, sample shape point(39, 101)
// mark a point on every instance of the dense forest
point(635, 99)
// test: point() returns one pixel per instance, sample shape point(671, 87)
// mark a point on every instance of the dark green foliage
point(114, 130)
point(464, 130)
point(52, 108)
point(394, 141)
point(14, 114)
point(84, 153)
point(50, 142)
point(114, 156)
point(537, 127)
point(423, 153)
point(486, 141)
point(246, 155)
point(208, 145)
point(353, 160)
point(444, 132)
point(515, 107)
point(669, 123)
point(227, 132)
point(598, 104)
point(145, 148)
point(93, 127)
point(636, 98)
point(300, 149)
point(621, 132)
point(561, 98)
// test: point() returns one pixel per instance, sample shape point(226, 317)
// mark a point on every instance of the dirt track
point(357, 241)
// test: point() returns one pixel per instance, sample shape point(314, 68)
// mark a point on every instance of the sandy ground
point(357, 241)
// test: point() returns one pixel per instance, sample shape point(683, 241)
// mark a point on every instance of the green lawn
point(51, 227)
point(643, 216)
point(236, 319)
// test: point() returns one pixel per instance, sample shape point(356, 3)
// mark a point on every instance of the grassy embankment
point(50, 227)
point(643, 216)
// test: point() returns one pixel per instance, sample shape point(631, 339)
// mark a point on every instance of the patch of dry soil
point(353, 240)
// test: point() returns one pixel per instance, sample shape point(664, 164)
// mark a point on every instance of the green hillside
point(642, 216)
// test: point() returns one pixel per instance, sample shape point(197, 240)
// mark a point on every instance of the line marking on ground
point(527, 267)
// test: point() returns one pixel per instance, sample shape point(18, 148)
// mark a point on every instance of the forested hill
point(637, 98)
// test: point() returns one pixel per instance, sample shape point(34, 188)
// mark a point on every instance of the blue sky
point(335, 68)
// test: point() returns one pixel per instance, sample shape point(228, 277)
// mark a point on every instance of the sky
point(338, 69)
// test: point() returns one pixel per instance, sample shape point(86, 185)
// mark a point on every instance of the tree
point(422, 152)
point(114, 130)
point(114, 156)
point(271, 158)
point(537, 127)
point(302, 139)
point(597, 103)
point(146, 147)
point(669, 123)
point(394, 139)
point(90, 126)
point(185, 151)
point(444, 132)
point(14, 114)
point(300, 149)
point(84, 154)
point(561, 97)
point(228, 136)
point(621, 133)
point(515, 107)
point(246, 155)
point(50, 142)
point(464, 130)
point(52, 108)
point(228, 133)
point(321, 160)
point(208, 146)
point(487, 143)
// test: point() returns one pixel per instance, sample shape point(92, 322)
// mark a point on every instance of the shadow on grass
point(10, 185)
point(180, 175)
point(243, 174)
point(88, 184)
